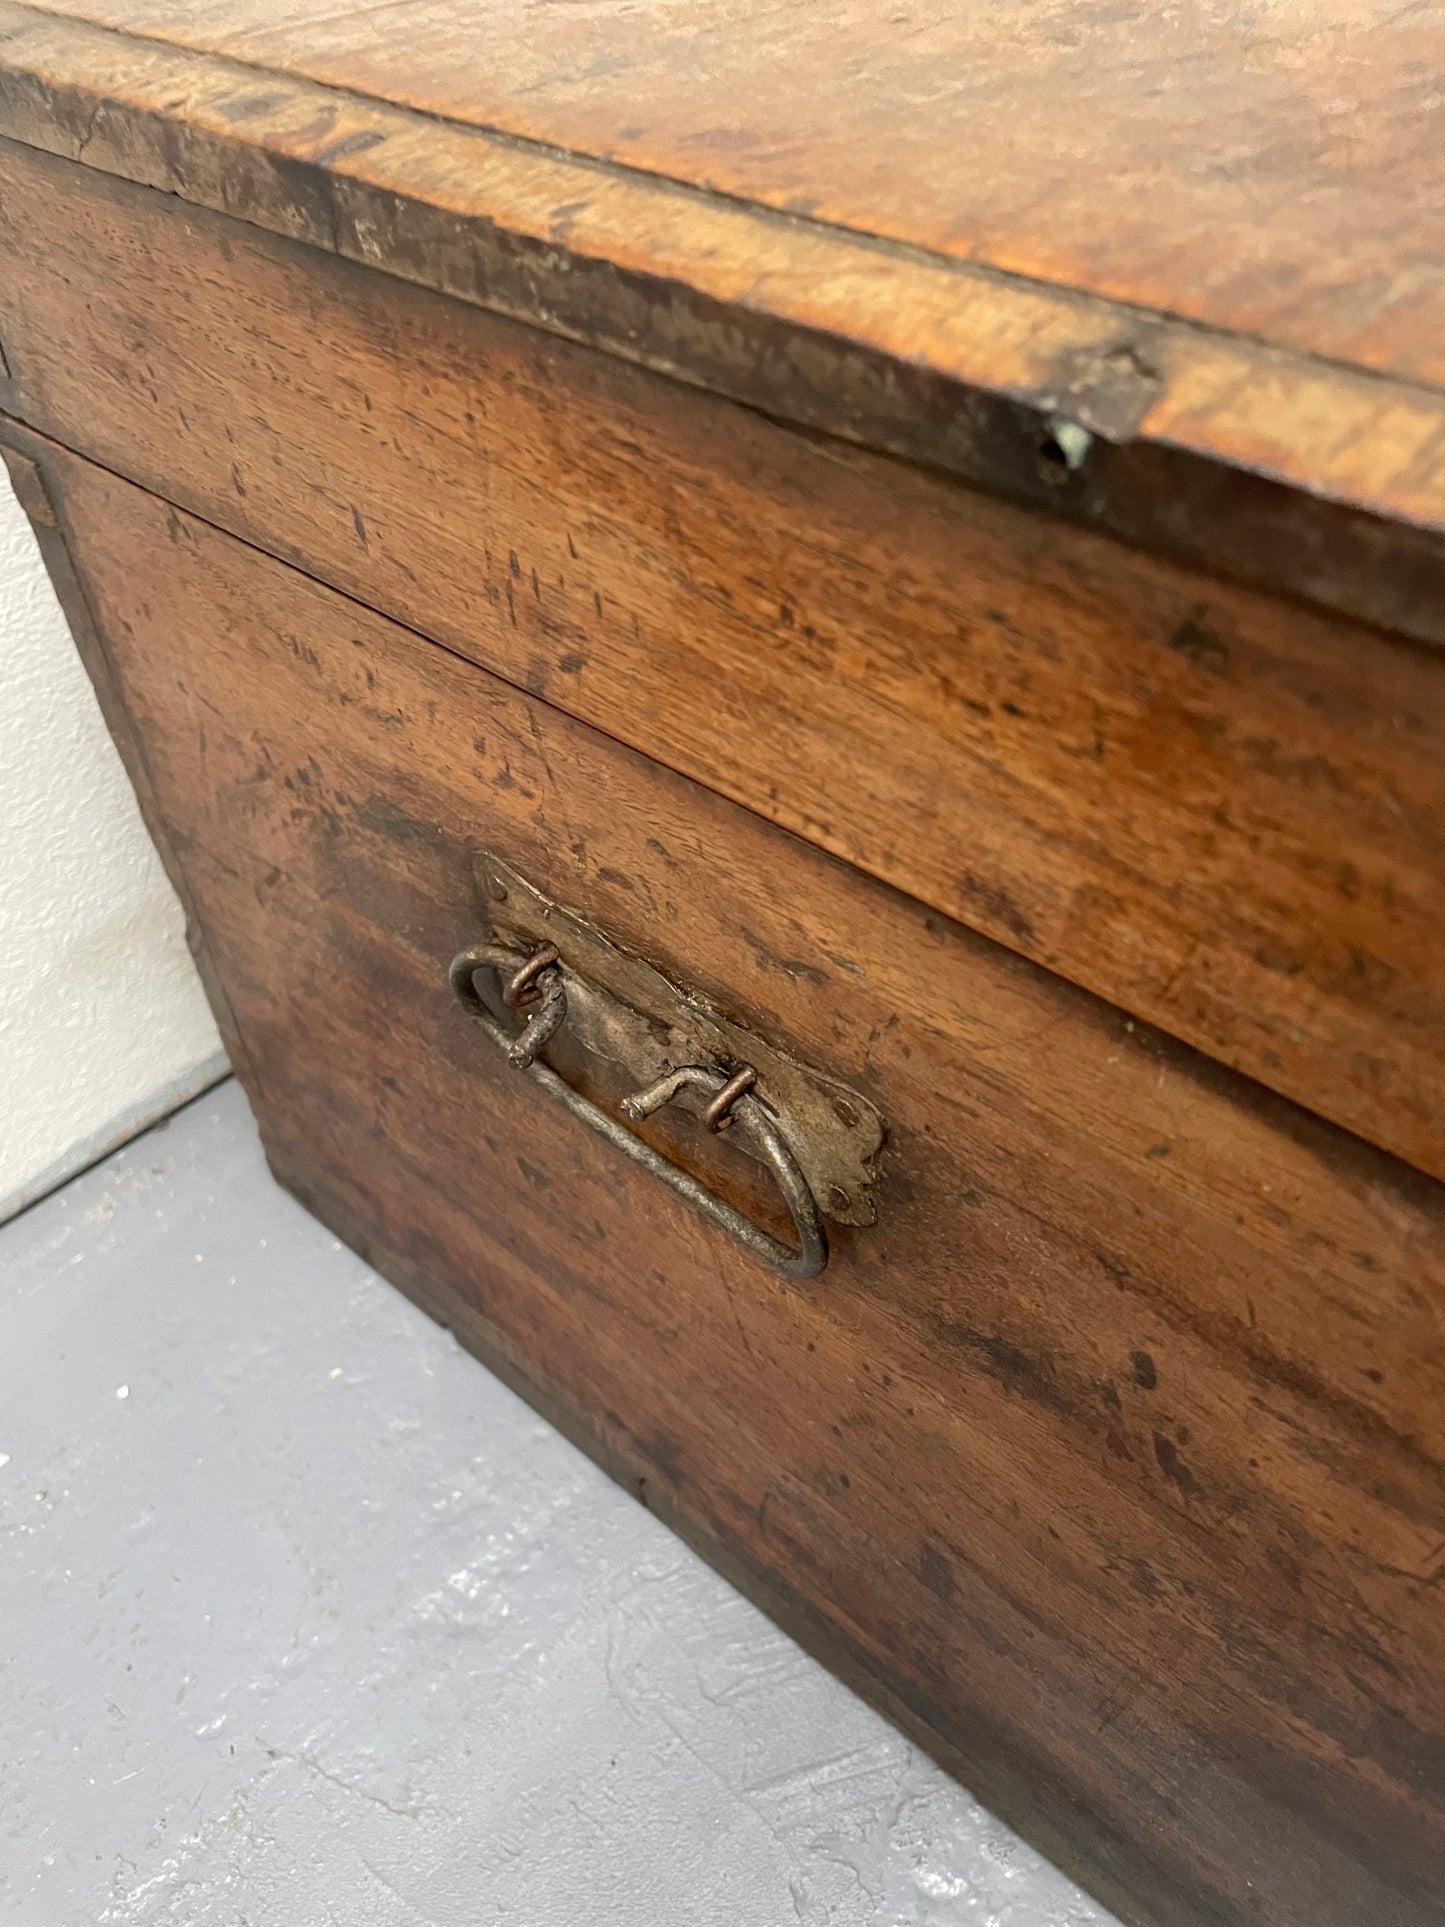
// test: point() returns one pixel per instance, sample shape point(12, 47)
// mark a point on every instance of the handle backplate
point(627, 1012)
point(543, 967)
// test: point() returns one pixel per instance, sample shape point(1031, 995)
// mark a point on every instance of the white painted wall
point(103, 1027)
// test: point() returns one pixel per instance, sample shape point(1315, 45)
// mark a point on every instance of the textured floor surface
point(306, 1621)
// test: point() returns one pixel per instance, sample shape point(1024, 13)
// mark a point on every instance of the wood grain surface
point(1111, 1453)
point(1274, 462)
point(1219, 811)
point(1276, 171)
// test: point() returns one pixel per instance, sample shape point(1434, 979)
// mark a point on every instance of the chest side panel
point(1110, 1453)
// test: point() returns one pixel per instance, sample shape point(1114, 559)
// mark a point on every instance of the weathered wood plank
point(1217, 810)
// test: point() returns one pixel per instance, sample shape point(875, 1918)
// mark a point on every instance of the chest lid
point(1179, 273)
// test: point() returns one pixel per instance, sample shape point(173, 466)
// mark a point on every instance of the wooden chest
point(789, 660)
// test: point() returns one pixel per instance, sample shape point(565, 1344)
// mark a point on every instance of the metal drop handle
point(534, 985)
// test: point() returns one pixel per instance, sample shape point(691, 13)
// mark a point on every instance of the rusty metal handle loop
point(731, 1102)
point(533, 982)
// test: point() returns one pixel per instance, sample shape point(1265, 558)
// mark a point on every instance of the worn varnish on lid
point(1275, 172)
point(1210, 241)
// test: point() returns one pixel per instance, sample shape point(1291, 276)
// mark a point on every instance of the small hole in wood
point(1063, 450)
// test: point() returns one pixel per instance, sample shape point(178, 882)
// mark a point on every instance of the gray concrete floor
point(306, 1619)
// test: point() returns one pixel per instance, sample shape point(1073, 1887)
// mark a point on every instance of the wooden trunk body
point(1106, 872)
